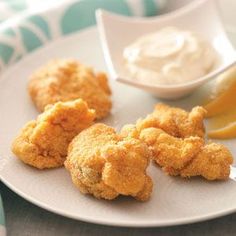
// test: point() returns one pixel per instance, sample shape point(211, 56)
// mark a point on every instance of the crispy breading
point(213, 162)
point(105, 165)
point(189, 156)
point(65, 80)
point(170, 151)
point(43, 143)
point(129, 131)
point(175, 121)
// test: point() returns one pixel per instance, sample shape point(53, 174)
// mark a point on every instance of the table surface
point(26, 219)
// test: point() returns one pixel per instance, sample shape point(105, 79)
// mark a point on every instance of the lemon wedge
point(226, 132)
point(225, 96)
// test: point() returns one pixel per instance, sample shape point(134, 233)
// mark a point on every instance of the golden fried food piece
point(65, 80)
point(103, 164)
point(175, 121)
point(213, 162)
point(189, 156)
point(170, 151)
point(129, 131)
point(43, 143)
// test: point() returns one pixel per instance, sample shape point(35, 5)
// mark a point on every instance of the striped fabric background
point(42, 21)
point(2, 220)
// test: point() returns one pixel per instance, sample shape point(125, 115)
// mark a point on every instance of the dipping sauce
point(169, 56)
point(221, 110)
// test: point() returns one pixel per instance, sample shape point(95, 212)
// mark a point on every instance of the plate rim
point(180, 221)
point(91, 219)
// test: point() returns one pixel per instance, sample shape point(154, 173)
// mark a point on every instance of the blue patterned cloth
point(2, 220)
point(24, 28)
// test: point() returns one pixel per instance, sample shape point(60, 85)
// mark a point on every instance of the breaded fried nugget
point(103, 164)
point(213, 162)
point(171, 151)
point(189, 156)
point(65, 80)
point(43, 143)
point(175, 121)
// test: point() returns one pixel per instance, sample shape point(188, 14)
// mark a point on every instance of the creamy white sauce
point(169, 56)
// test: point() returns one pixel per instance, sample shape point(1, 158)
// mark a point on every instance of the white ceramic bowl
point(116, 32)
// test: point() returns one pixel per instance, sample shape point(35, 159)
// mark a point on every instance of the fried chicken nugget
point(43, 143)
point(189, 156)
point(103, 164)
point(175, 121)
point(65, 80)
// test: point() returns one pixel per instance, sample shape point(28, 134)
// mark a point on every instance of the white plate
point(174, 200)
